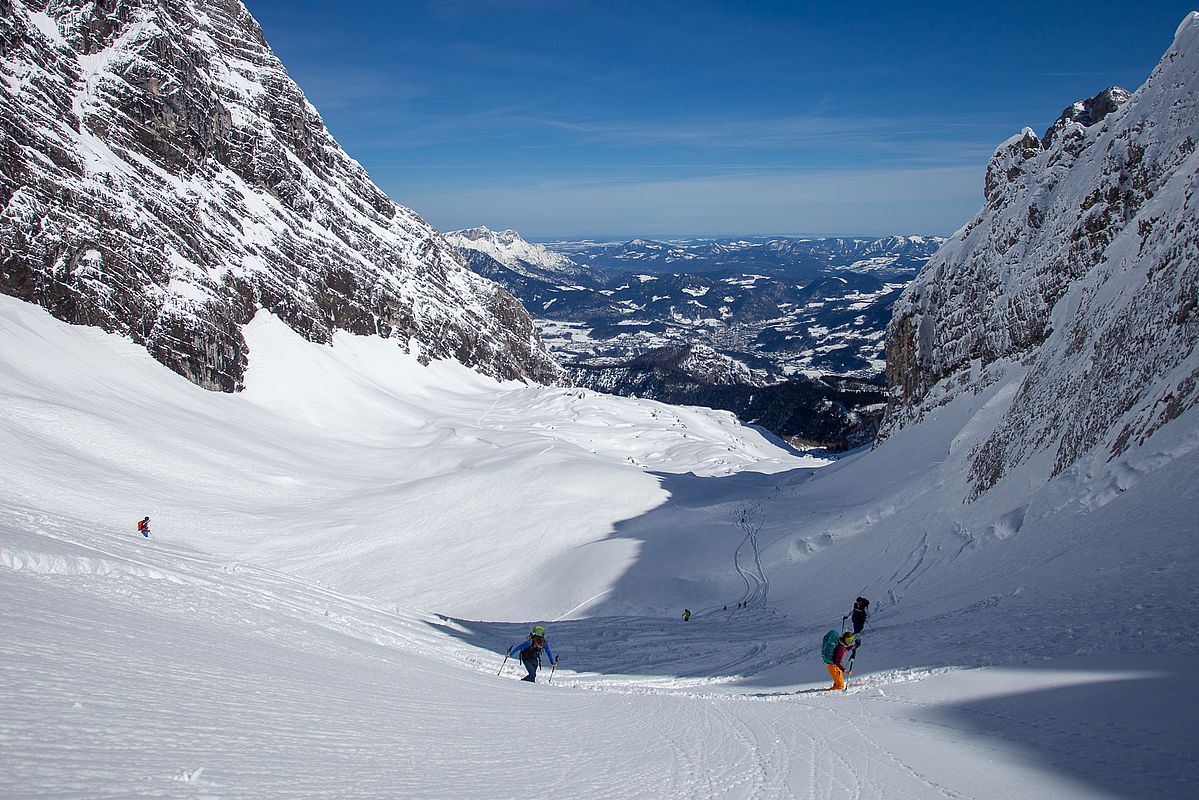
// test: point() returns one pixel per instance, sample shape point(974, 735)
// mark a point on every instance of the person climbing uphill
point(530, 652)
point(857, 617)
point(686, 615)
point(833, 650)
point(143, 527)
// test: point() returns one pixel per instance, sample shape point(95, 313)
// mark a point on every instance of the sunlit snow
point(279, 636)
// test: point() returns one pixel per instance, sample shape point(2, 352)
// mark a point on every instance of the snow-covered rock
point(164, 177)
point(525, 258)
point(1078, 280)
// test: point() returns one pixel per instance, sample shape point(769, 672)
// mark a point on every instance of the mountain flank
point(1080, 276)
point(163, 177)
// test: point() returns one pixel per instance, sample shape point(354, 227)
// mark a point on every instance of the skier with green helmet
point(530, 652)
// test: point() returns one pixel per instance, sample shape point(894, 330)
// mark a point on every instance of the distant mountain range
point(672, 320)
point(519, 256)
point(782, 307)
point(798, 259)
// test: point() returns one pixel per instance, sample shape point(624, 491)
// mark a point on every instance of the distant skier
point(530, 653)
point(686, 615)
point(833, 650)
point(857, 617)
point(143, 527)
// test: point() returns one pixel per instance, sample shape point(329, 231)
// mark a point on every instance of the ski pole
point(849, 669)
point(505, 661)
point(553, 667)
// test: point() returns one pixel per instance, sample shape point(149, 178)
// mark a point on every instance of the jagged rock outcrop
point(1088, 112)
point(162, 176)
point(1081, 272)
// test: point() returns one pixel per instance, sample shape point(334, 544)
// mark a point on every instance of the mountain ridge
point(1077, 279)
point(190, 183)
point(511, 250)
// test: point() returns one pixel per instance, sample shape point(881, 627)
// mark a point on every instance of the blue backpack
point(829, 645)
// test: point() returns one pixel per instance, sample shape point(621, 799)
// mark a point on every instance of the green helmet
point(538, 630)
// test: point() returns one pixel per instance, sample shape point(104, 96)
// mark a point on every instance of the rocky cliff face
point(162, 176)
point(1081, 272)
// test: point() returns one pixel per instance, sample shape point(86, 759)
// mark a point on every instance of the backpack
point(533, 651)
point(829, 645)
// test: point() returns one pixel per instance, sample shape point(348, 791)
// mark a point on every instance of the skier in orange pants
point(845, 646)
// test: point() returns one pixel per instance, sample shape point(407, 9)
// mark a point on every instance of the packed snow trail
point(154, 666)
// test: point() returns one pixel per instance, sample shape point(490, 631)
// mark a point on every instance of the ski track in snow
point(155, 665)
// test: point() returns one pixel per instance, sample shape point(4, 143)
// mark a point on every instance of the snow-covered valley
point(343, 552)
point(391, 487)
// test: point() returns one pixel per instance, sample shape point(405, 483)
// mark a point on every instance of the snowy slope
point(355, 465)
point(159, 672)
point(277, 633)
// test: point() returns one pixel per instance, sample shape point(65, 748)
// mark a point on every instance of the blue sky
point(614, 118)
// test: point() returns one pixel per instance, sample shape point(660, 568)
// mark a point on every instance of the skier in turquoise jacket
point(530, 653)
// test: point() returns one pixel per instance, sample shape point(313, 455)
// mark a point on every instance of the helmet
point(538, 631)
point(847, 637)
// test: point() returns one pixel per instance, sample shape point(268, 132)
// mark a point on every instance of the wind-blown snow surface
point(356, 466)
point(277, 639)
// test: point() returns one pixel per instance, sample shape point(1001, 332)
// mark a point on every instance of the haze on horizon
point(614, 119)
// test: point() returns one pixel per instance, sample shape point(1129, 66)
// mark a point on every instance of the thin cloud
point(902, 141)
point(870, 201)
point(1108, 73)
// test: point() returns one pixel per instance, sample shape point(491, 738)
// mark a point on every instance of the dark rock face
point(1075, 285)
point(161, 176)
point(834, 413)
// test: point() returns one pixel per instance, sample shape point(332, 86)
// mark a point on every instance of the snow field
point(353, 465)
point(280, 637)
